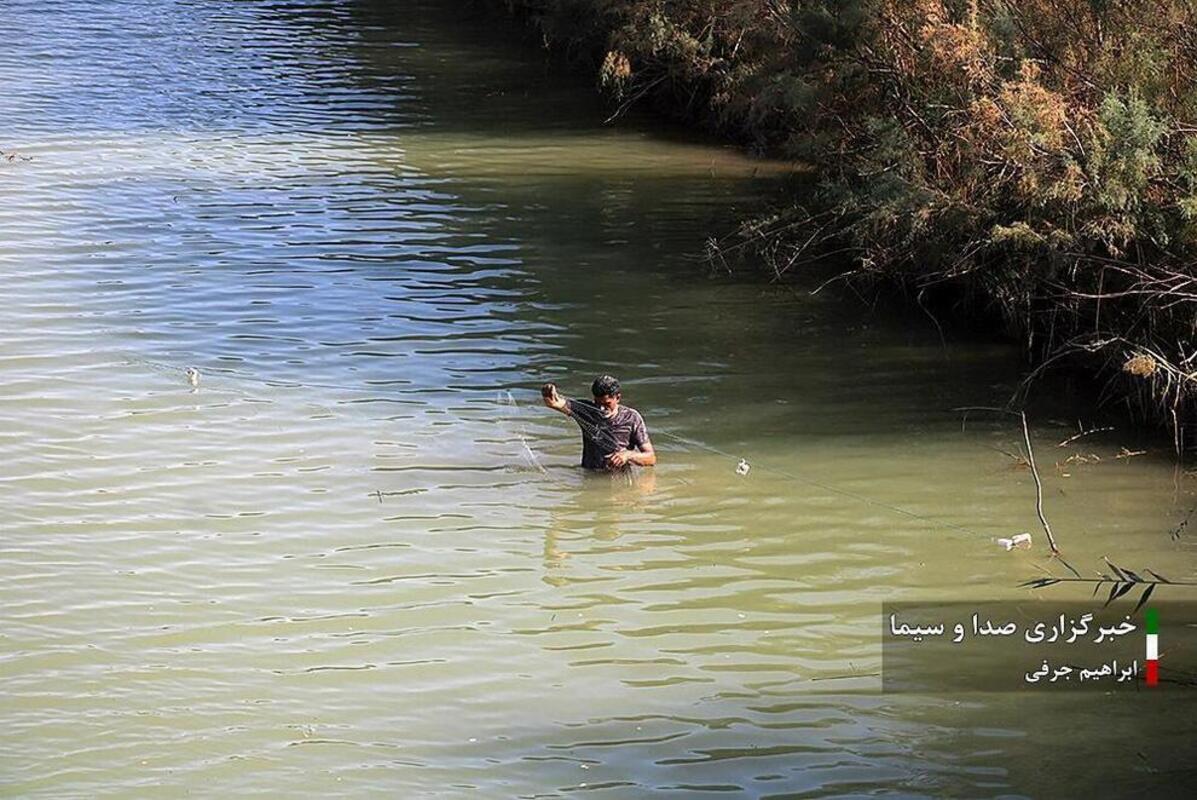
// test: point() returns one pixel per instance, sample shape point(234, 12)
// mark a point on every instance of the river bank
point(1028, 172)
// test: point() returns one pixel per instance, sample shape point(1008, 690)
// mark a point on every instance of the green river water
point(350, 564)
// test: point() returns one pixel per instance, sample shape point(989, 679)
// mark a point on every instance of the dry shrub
point(615, 72)
point(1141, 366)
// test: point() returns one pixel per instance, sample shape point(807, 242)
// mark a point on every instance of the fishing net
point(515, 427)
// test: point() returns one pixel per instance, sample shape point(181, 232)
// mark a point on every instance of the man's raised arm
point(553, 400)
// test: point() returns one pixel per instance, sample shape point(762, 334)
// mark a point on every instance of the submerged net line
point(503, 399)
point(860, 498)
point(597, 434)
point(272, 383)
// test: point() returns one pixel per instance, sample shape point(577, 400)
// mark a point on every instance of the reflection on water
point(340, 566)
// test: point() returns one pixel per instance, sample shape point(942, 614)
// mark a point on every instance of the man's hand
point(619, 458)
point(551, 399)
point(645, 457)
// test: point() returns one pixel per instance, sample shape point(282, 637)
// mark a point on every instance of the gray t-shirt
point(602, 436)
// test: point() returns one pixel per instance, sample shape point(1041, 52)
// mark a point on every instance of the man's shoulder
point(632, 414)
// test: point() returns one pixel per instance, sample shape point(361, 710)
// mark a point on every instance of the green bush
point(1039, 153)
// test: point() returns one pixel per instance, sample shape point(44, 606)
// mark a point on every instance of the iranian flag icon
point(1153, 646)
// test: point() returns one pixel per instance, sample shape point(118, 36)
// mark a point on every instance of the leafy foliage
point(1121, 581)
point(1038, 153)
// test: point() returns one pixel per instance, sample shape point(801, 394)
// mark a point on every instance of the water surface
point(351, 563)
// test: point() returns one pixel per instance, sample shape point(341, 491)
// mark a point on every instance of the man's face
point(607, 402)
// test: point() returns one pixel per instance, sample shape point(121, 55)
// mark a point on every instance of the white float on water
point(1022, 540)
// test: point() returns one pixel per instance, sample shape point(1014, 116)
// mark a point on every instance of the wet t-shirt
point(602, 436)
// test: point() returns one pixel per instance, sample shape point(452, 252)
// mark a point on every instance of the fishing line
point(598, 434)
point(198, 377)
point(273, 383)
point(743, 467)
point(860, 498)
point(195, 378)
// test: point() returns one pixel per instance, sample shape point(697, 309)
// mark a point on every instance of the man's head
point(606, 393)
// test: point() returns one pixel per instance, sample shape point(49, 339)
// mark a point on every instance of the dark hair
point(604, 385)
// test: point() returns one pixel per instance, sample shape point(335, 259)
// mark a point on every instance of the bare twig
point(1026, 435)
point(1074, 437)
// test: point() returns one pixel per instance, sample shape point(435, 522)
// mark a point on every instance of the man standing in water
point(613, 436)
